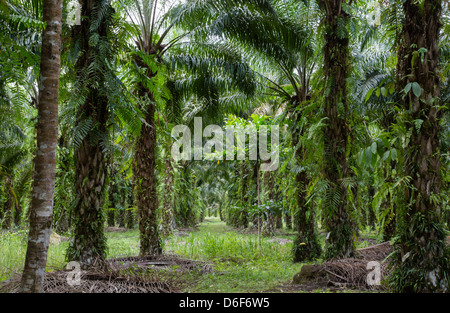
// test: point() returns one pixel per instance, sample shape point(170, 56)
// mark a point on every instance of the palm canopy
point(202, 73)
point(278, 46)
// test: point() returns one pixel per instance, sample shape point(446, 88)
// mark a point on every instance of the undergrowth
point(239, 264)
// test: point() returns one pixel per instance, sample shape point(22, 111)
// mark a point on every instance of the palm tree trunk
point(130, 208)
point(244, 181)
point(339, 243)
point(145, 179)
point(146, 193)
point(306, 245)
point(17, 211)
point(278, 221)
point(8, 206)
point(420, 263)
point(89, 242)
point(88, 245)
point(288, 219)
point(45, 159)
point(110, 217)
point(371, 213)
point(168, 218)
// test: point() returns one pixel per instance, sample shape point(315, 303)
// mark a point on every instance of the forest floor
point(211, 257)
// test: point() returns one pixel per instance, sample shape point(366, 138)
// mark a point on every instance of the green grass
point(12, 254)
point(239, 265)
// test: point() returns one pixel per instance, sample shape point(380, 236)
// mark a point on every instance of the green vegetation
point(238, 265)
point(345, 102)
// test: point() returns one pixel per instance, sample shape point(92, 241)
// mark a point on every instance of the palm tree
point(45, 160)
point(13, 157)
point(420, 263)
point(96, 88)
point(147, 19)
point(338, 223)
point(158, 28)
point(21, 22)
point(285, 59)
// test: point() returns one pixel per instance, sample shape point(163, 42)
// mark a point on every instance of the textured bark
point(45, 160)
point(278, 221)
point(245, 180)
point(88, 245)
point(288, 219)
point(306, 245)
point(8, 206)
point(388, 229)
point(420, 263)
point(117, 197)
point(110, 218)
point(371, 217)
point(15, 203)
point(145, 177)
point(111, 214)
point(130, 217)
point(145, 160)
point(167, 211)
point(338, 224)
point(146, 193)
point(389, 206)
point(268, 224)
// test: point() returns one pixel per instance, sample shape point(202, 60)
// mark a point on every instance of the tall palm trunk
point(420, 262)
point(130, 218)
point(306, 245)
point(268, 225)
point(168, 217)
point(8, 206)
point(145, 177)
point(389, 208)
point(336, 68)
point(244, 181)
point(45, 160)
point(371, 213)
point(89, 242)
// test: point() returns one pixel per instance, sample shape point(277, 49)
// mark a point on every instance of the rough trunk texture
point(389, 206)
point(6, 216)
point(89, 242)
point(371, 214)
point(306, 245)
point(88, 245)
point(17, 217)
point(288, 219)
point(420, 262)
point(130, 216)
point(338, 223)
point(278, 221)
point(111, 214)
point(167, 211)
point(45, 160)
point(245, 180)
point(110, 219)
point(144, 171)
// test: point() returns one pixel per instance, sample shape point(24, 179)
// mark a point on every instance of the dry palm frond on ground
point(120, 275)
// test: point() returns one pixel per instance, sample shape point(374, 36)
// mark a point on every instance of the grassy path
point(239, 265)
